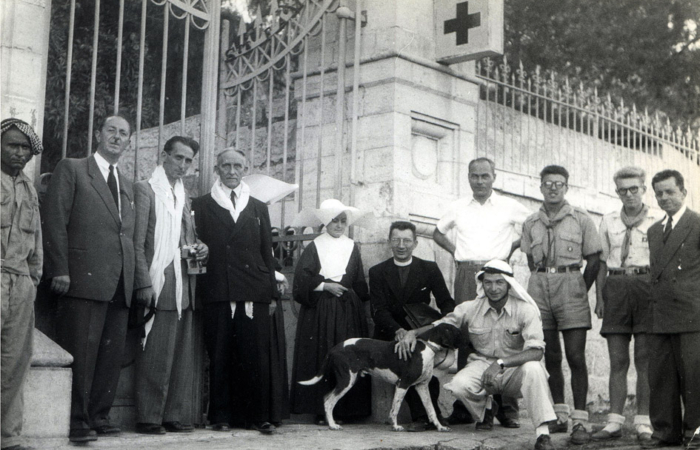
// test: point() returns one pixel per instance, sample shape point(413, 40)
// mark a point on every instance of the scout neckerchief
point(630, 223)
point(551, 224)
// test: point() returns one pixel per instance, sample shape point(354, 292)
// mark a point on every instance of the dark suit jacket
point(84, 237)
point(144, 245)
point(240, 266)
point(388, 299)
point(675, 276)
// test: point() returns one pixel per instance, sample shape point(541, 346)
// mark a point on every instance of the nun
point(329, 284)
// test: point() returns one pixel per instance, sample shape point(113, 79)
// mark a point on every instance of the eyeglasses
point(553, 184)
point(632, 190)
point(401, 241)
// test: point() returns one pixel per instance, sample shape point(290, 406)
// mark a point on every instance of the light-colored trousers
point(18, 293)
point(528, 382)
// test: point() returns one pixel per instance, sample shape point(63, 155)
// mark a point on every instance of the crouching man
point(506, 331)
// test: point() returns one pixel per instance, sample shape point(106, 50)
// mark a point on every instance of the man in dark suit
point(398, 281)
point(164, 228)
point(236, 294)
point(88, 227)
point(674, 336)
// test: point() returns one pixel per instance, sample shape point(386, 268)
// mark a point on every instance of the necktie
point(112, 183)
point(668, 228)
point(233, 199)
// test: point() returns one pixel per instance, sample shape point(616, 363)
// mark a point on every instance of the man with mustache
point(88, 227)
point(164, 227)
point(21, 271)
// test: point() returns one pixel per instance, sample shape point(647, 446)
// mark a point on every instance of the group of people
point(645, 266)
point(100, 241)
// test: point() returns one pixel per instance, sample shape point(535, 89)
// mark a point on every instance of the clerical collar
point(403, 264)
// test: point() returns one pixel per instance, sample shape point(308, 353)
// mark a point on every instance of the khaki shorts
point(627, 300)
point(562, 299)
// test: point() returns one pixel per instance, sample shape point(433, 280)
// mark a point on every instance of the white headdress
point(504, 269)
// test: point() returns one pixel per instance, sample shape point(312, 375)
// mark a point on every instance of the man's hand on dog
point(406, 345)
point(489, 376)
point(334, 288)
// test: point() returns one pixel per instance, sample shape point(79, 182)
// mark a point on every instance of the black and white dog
point(360, 356)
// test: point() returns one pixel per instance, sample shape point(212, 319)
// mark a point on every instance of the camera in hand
point(189, 254)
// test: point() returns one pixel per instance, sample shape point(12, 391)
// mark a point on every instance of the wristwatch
point(500, 363)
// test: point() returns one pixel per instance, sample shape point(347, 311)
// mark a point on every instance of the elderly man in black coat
point(404, 280)
point(236, 293)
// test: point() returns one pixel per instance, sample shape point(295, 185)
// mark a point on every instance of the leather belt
point(630, 271)
point(559, 269)
point(472, 263)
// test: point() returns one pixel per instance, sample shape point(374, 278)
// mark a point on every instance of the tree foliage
point(78, 116)
point(646, 52)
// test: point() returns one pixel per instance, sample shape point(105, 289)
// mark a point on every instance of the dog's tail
point(321, 373)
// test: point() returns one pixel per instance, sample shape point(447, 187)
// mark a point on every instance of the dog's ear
point(448, 336)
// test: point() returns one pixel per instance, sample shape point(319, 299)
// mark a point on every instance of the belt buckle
point(552, 269)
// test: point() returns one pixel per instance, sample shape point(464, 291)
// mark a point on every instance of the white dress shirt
point(676, 217)
point(103, 165)
point(484, 232)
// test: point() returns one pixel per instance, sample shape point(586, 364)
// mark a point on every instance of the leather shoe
point(579, 435)
point(507, 422)
point(558, 427)
point(655, 442)
point(107, 430)
point(177, 427)
point(82, 435)
point(605, 435)
point(264, 427)
point(487, 423)
point(18, 447)
point(149, 428)
point(459, 418)
point(544, 442)
point(221, 426)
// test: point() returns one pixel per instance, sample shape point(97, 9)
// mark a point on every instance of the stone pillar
point(47, 391)
point(24, 52)
point(416, 129)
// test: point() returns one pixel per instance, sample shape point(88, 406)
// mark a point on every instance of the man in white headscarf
point(505, 328)
point(164, 225)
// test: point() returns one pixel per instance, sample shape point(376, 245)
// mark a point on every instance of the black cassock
point(324, 321)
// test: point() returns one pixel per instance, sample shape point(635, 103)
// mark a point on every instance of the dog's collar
point(436, 349)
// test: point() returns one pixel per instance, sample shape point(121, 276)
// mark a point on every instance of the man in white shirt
point(487, 227)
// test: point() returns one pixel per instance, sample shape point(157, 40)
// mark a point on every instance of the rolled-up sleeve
point(447, 222)
point(457, 318)
point(531, 326)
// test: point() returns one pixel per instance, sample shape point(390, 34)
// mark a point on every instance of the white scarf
point(224, 200)
point(334, 254)
point(169, 203)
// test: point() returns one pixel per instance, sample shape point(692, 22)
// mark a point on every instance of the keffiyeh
point(502, 268)
point(27, 130)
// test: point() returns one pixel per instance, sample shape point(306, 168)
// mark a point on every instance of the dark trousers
point(415, 404)
point(674, 375)
point(94, 332)
point(239, 363)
